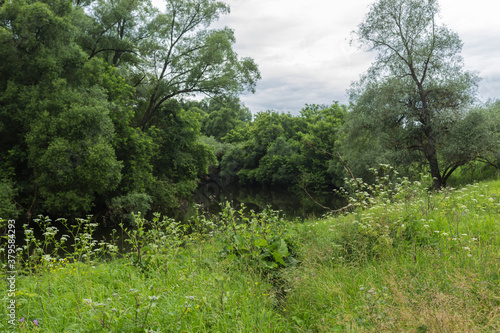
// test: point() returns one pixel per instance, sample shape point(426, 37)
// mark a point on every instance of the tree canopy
point(278, 149)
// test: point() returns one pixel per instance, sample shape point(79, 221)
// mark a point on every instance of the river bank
point(404, 260)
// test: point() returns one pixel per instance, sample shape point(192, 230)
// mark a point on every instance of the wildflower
point(191, 298)
point(21, 320)
point(35, 322)
point(154, 298)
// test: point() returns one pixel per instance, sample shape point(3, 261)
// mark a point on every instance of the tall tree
point(416, 90)
point(183, 56)
point(166, 54)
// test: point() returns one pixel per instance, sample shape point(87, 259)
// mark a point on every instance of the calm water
point(294, 204)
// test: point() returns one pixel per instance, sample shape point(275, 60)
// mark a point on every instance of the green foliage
point(150, 240)
point(231, 162)
point(320, 145)
point(284, 150)
point(477, 136)
point(393, 266)
point(8, 209)
point(280, 165)
point(88, 117)
point(123, 207)
point(365, 239)
point(70, 147)
point(260, 240)
point(181, 157)
point(218, 123)
point(115, 30)
point(77, 243)
point(182, 56)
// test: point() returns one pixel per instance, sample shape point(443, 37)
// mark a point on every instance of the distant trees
point(278, 149)
point(413, 104)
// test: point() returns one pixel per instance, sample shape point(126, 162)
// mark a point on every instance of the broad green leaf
point(261, 242)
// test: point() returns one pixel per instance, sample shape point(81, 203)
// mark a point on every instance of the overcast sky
point(303, 53)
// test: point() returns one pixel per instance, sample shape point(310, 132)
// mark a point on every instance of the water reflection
point(293, 203)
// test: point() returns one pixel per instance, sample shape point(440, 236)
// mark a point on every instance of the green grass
point(410, 261)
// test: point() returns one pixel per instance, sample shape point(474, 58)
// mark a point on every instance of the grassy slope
point(421, 263)
point(428, 264)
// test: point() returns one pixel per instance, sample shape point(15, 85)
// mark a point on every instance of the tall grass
point(402, 259)
point(408, 260)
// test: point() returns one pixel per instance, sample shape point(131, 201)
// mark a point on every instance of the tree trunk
point(439, 182)
point(429, 144)
point(431, 156)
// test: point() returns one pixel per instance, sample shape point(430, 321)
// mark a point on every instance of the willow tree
point(184, 56)
point(416, 90)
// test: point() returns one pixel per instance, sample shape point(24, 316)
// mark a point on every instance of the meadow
point(399, 258)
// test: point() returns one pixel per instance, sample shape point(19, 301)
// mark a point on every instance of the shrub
point(259, 239)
